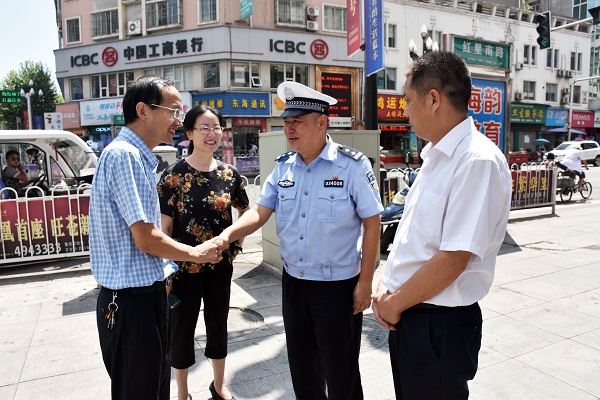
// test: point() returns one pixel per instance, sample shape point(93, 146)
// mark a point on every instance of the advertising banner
point(373, 36)
point(353, 26)
point(44, 226)
point(247, 164)
point(487, 109)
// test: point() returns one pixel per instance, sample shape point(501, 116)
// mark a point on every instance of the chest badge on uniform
point(335, 182)
point(285, 183)
point(372, 181)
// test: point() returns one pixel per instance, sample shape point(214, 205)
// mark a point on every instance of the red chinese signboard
point(531, 188)
point(44, 226)
point(582, 119)
point(390, 107)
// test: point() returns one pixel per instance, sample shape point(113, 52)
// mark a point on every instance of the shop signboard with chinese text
point(236, 104)
point(70, 113)
point(557, 117)
point(528, 113)
point(44, 227)
point(53, 121)
point(10, 97)
point(246, 9)
point(582, 119)
point(481, 53)
point(390, 107)
point(486, 107)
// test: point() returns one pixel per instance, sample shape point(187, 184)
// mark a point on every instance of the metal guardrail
point(44, 227)
point(533, 185)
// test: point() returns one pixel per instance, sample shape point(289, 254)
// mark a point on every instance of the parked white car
point(589, 148)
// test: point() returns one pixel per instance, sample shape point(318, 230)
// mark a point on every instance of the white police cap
point(300, 100)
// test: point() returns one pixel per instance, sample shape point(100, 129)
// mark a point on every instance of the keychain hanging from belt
point(112, 311)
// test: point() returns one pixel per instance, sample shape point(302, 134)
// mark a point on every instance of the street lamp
point(28, 97)
point(428, 44)
point(570, 123)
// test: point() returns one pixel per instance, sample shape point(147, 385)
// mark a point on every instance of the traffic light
point(594, 13)
point(543, 29)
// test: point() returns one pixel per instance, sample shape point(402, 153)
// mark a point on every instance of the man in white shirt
point(572, 162)
point(444, 254)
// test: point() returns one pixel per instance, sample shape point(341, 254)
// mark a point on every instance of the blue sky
point(29, 32)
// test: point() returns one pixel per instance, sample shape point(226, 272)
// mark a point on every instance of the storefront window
point(288, 72)
point(211, 75)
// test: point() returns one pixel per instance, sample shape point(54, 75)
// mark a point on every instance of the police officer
point(323, 195)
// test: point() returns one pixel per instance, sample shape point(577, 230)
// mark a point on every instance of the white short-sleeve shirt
point(459, 201)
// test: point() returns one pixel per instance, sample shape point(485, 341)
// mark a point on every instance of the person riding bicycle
point(572, 163)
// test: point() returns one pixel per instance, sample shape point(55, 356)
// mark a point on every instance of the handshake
point(210, 251)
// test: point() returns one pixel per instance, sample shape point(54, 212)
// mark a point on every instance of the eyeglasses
point(177, 113)
point(13, 158)
point(206, 129)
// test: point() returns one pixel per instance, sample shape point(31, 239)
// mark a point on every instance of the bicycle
point(566, 185)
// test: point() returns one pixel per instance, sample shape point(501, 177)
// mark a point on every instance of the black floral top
point(200, 205)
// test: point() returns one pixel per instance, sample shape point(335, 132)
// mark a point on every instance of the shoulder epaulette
point(285, 156)
point(350, 152)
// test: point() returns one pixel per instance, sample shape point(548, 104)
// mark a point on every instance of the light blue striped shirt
point(123, 193)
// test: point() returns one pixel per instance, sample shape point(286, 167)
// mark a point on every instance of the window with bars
point(334, 18)
point(290, 12)
point(73, 30)
point(105, 23)
point(207, 11)
point(163, 13)
point(110, 85)
point(181, 75)
point(288, 72)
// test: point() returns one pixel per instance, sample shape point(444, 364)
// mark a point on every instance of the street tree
point(17, 80)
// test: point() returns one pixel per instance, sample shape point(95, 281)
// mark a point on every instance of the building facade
point(233, 55)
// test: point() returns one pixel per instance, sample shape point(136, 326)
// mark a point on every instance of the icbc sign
point(110, 57)
point(319, 49)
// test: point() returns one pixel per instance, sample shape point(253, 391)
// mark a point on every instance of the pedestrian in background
point(443, 258)
point(326, 202)
point(196, 198)
point(572, 162)
point(127, 246)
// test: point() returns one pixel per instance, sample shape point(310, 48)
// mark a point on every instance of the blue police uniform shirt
point(318, 210)
point(123, 193)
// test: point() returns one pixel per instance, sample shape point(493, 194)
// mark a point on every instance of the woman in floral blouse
point(196, 198)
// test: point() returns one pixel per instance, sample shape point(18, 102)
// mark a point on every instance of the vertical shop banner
point(44, 226)
point(246, 9)
point(353, 26)
point(373, 36)
point(487, 109)
point(227, 146)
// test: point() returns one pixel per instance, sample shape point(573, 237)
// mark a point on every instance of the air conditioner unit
point(134, 27)
point(569, 74)
point(518, 66)
point(518, 96)
point(564, 99)
point(564, 91)
point(312, 26)
point(561, 72)
point(312, 11)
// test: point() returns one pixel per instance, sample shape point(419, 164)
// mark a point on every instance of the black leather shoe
point(215, 395)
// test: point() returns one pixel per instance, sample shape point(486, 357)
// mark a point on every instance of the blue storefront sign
point(556, 117)
point(373, 36)
point(236, 104)
point(487, 109)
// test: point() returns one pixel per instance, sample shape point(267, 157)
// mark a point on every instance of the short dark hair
point(10, 153)
point(190, 120)
point(145, 89)
point(445, 72)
